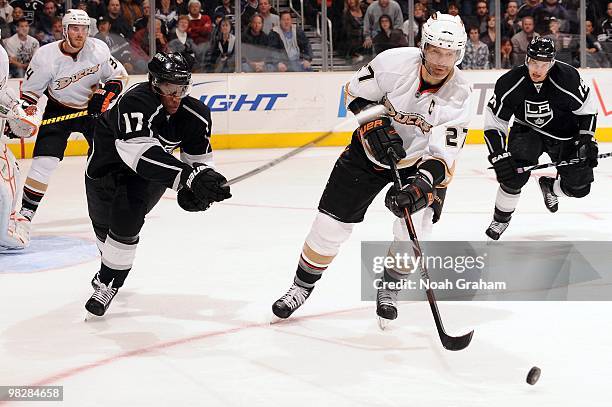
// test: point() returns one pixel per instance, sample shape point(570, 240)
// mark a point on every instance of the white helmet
point(445, 31)
point(74, 17)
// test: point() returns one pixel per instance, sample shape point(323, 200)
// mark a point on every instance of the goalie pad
point(23, 118)
point(14, 229)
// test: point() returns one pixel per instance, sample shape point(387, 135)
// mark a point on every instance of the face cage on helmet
point(171, 89)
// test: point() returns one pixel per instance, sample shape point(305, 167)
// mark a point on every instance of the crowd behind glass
point(287, 37)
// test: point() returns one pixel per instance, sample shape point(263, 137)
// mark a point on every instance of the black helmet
point(170, 73)
point(541, 49)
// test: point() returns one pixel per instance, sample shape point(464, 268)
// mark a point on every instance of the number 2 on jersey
point(128, 124)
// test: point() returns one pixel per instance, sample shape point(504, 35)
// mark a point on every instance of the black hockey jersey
point(561, 107)
point(138, 134)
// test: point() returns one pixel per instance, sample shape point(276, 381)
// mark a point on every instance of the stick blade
point(455, 343)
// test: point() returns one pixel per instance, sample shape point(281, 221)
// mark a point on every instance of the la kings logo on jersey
point(538, 113)
point(62, 83)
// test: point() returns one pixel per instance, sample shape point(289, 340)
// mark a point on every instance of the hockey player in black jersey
point(555, 113)
point(131, 165)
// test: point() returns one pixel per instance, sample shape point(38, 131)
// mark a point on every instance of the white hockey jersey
point(432, 123)
point(68, 81)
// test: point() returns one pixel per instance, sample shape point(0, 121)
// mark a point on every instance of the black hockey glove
point(504, 165)
point(438, 204)
point(587, 150)
point(103, 97)
point(206, 183)
point(380, 135)
point(416, 195)
point(188, 201)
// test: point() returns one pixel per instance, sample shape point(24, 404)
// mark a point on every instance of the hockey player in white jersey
point(427, 101)
point(23, 123)
point(75, 73)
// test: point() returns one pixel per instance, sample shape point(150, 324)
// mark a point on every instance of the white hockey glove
point(23, 118)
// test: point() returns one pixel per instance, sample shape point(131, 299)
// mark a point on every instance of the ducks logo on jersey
point(62, 83)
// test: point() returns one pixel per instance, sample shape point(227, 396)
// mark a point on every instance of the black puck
point(533, 375)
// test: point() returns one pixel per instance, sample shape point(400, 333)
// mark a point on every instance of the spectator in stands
point(95, 8)
point(222, 49)
point(31, 9)
point(453, 9)
point(351, 43)
point(511, 23)
point(141, 39)
point(480, 19)
point(131, 10)
point(438, 5)
point(179, 41)
point(93, 26)
point(564, 44)
point(488, 38)
point(5, 30)
point(508, 57)
point(270, 19)
point(256, 55)
point(144, 20)
point(605, 30)
point(476, 52)
point(55, 35)
point(249, 9)
point(118, 24)
point(20, 49)
point(521, 40)
point(372, 16)
point(543, 13)
point(226, 8)
point(200, 26)
point(6, 11)
point(388, 37)
point(45, 20)
point(595, 56)
point(166, 13)
point(418, 21)
point(119, 46)
point(294, 51)
point(527, 9)
point(17, 15)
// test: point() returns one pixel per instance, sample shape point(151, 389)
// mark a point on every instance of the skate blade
point(383, 323)
point(91, 317)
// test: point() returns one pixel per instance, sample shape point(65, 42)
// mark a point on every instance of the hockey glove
point(587, 150)
point(188, 201)
point(438, 204)
point(416, 195)
point(380, 136)
point(504, 165)
point(103, 97)
point(206, 183)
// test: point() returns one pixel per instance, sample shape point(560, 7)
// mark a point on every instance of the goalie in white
point(14, 233)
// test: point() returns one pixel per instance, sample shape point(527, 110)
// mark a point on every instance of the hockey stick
point(449, 342)
point(360, 117)
point(65, 117)
point(558, 163)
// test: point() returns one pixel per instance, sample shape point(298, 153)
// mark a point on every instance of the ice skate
point(550, 199)
point(386, 306)
point(100, 300)
point(495, 229)
point(292, 300)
